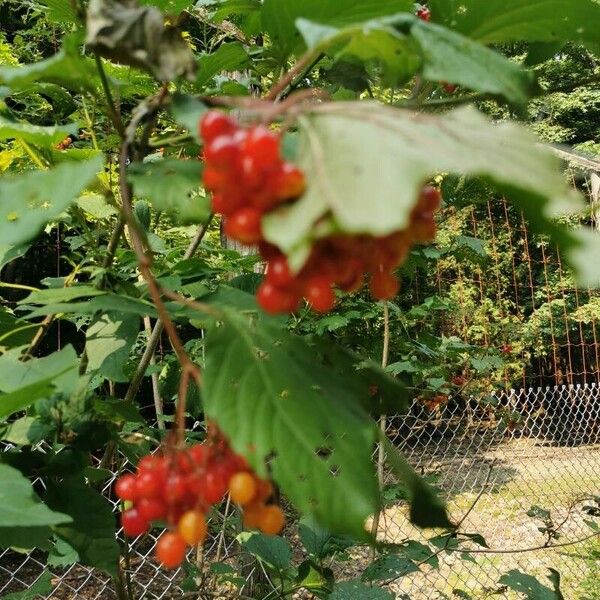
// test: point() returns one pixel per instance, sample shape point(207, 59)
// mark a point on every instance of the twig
point(110, 103)
point(383, 420)
point(289, 77)
point(154, 338)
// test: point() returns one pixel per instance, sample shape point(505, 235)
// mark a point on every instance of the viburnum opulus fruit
point(179, 488)
point(248, 178)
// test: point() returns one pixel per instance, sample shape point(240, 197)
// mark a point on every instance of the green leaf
point(448, 56)
point(24, 431)
point(30, 200)
point(373, 41)
point(279, 17)
point(67, 68)
point(41, 587)
point(405, 45)
point(272, 550)
point(188, 111)
point(92, 531)
point(357, 590)
point(529, 586)
point(229, 56)
point(62, 554)
point(60, 365)
point(353, 151)
point(21, 508)
point(497, 22)
point(426, 509)
point(272, 399)
point(37, 378)
point(63, 294)
point(108, 342)
point(389, 566)
point(320, 542)
point(59, 11)
point(171, 186)
point(35, 134)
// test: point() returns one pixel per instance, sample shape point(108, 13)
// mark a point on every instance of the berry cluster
point(247, 176)
point(180, 487)
point(342, 261)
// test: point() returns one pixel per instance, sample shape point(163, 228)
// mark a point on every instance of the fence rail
point(505, 454)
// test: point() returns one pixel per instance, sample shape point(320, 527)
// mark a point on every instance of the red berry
point(430, 199)
point(252, 175)
point(424, 13)
point(150, 463)
point(278, 272)
point(222, 152)
point(175, 488)
point(262, 146)
point(319, 293)
point(287, 182)
point(244, 225)
point(213, 179)
point(125, 487)
point(215, 487)
point(384, 285)
point(148, 484)
point(199, 454)
point(275, 300)
point(151, 509)
point(170, 550)
point(133, 523)
point(449, 88)
point(215, 123)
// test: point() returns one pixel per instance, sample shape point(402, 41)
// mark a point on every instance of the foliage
point(106, 229)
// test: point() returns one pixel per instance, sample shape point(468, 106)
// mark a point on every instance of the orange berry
point(264, 490)
point(242, 488)
point(192, 527)
point(170, 550)
point(271, 520)
point(252, 515)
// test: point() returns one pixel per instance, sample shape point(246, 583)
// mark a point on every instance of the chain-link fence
point(492, 460)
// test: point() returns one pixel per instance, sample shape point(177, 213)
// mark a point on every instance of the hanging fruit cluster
point(248, 177)
point(180, 487)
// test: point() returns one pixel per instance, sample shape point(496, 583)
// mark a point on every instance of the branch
point(154, 337)
point(110, 103)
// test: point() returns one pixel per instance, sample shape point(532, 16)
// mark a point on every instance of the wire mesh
point(510, 451)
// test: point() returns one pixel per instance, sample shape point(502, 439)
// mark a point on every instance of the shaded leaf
point(24, 520)
point(171, 186)
point(389, 566)
point(92, 531)
point(229, 56)
point(529, 586)
point(357, 590)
